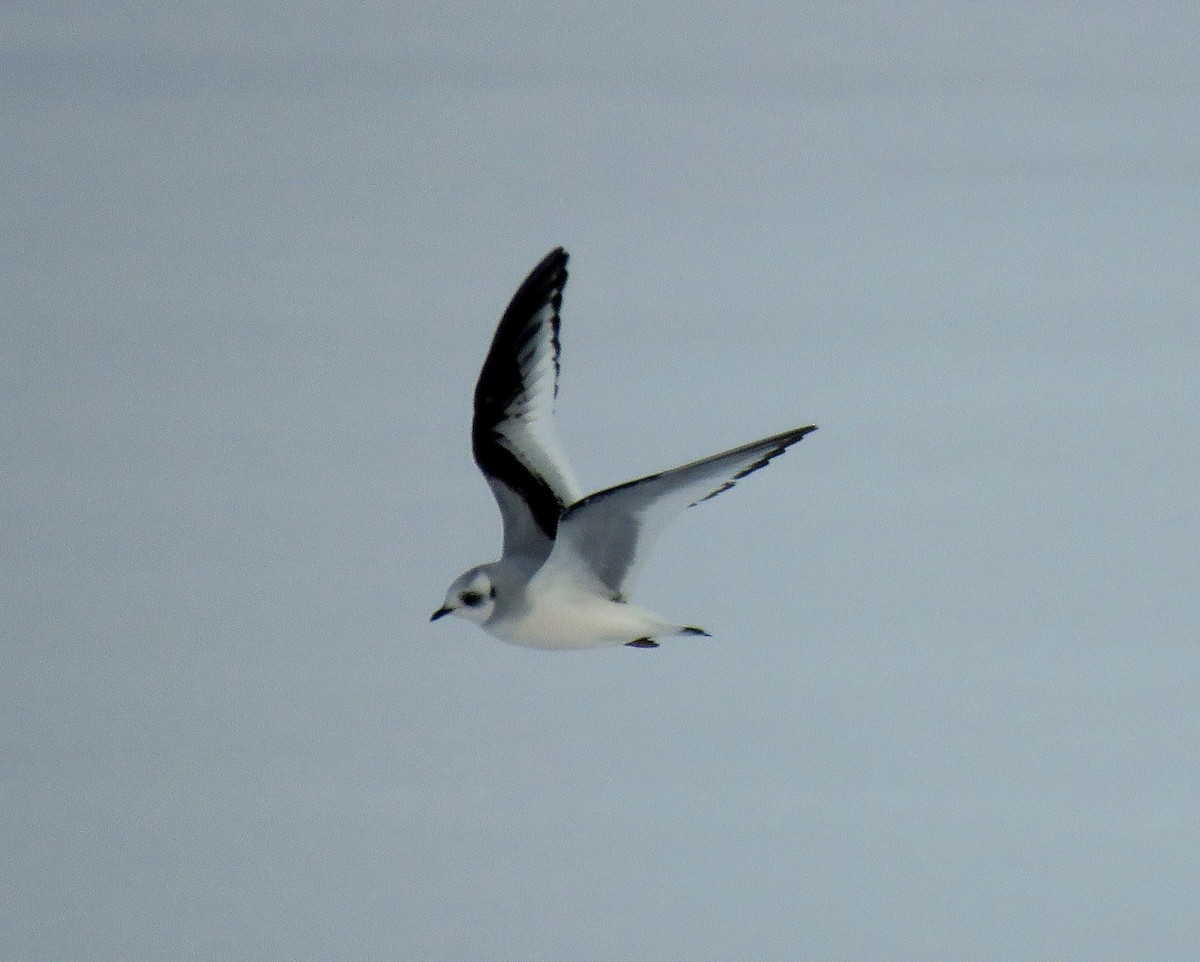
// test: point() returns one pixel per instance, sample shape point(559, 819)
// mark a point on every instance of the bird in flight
point(568, 561)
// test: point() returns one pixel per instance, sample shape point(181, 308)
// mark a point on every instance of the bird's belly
point(576, 622)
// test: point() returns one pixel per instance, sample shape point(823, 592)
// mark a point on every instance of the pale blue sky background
point(253, 255)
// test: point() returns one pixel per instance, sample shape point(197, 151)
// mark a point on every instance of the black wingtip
point(693, 630)
point(642, 643)
point(550, 265)
point(777, 445)
point(788, 438)
point(543, 284)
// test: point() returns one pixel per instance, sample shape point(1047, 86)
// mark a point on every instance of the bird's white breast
point(572, 620)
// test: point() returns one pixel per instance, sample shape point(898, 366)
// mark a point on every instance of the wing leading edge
point(512, 435)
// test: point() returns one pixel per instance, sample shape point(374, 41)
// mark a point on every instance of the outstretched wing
point(512, 435)
point(604, 539)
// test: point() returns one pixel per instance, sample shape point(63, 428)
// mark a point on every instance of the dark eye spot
point(471, 598)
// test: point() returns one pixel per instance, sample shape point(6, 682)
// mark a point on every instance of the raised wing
point(604, 539)
point(512, 435)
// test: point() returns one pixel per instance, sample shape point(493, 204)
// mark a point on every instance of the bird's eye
point(472, 598)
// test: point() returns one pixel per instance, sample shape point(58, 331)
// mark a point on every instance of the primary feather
point(512, 436)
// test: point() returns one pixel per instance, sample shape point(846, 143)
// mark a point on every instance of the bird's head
point(471, 596)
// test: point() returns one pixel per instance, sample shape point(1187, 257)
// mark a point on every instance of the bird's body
point(558, 617)
point(567, 562)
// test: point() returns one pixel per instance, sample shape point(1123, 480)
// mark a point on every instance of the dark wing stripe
point(496, 461)
point(785, 442)
point(503, 392)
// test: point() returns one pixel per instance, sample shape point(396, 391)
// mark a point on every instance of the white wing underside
point(604, 540)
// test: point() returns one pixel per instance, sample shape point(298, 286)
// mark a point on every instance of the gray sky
point(253, 256)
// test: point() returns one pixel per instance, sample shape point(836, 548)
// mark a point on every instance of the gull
point(568, 561)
